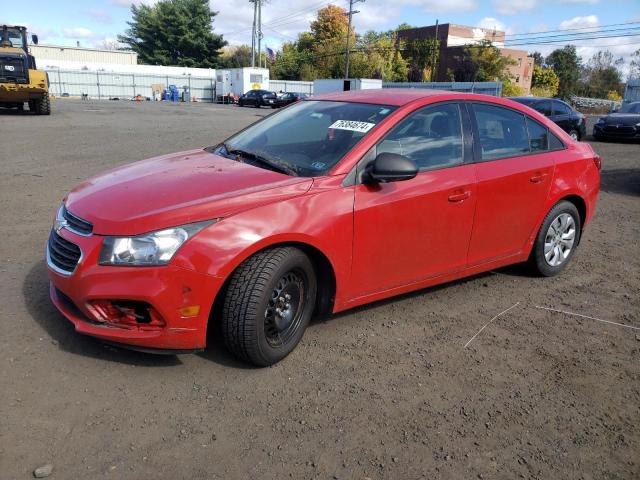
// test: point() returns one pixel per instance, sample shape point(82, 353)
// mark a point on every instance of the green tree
point(174, 32)
point(567, 65)
point(538, 59)
point(602, 75)
point(236, 57)
point(544, 82)
point(422, 55)
point(484, 63)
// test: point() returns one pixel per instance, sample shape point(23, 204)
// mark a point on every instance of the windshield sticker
point(318, 165)
point(352, 125)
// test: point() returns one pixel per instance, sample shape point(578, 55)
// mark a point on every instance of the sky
point(92, 22)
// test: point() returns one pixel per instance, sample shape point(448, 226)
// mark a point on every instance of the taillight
point(597, 159)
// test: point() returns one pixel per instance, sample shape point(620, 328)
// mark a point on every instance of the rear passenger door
point(513, 171)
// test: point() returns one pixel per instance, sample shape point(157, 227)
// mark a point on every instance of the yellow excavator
point(20, 81)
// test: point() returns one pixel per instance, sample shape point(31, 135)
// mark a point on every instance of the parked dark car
point(257, 98)
point(288, 98)
point(624, 123)
point(558, 112)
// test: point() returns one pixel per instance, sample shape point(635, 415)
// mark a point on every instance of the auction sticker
point(354, 126)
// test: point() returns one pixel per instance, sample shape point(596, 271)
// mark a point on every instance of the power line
point(571, 29)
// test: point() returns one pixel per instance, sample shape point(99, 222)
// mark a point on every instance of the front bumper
point(618, 131)
point(165, 288)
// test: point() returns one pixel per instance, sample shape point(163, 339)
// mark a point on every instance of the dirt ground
point(384, 391)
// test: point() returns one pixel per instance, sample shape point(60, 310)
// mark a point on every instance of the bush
point(510, 89)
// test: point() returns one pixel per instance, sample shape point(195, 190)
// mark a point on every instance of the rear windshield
point(309, 138)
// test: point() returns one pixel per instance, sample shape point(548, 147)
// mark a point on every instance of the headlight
point(638, 125)
point(155, 248)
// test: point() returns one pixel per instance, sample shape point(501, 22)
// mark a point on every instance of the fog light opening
point(130, 314)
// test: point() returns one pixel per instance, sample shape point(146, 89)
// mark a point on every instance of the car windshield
point(630, 108)
point(306, 139)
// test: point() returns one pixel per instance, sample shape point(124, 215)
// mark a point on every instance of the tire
point(559, 242)
point(240, 104)
point(575, 134)
point(41, 106)
point(270, 281)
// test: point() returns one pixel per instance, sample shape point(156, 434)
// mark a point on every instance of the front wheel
point(557, 240)
point(268, 304)
point(575, 135)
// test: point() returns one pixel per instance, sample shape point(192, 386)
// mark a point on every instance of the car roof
point(385, 96)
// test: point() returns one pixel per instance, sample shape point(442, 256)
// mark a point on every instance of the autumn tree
point(544, 82)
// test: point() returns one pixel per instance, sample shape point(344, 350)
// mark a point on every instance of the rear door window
point(544, 108)
point(560, 108)
point(538, 136)
point(502, 132)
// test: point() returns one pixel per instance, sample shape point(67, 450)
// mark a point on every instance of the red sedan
point(333, 202)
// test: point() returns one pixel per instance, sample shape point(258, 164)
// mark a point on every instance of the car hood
point(177, 189)
point(622, 119)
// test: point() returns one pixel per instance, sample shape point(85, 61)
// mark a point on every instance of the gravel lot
point(384, 391)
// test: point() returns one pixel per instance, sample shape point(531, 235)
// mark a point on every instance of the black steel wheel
point(268, 304)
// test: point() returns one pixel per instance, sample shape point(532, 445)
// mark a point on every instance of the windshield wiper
point(271, 163)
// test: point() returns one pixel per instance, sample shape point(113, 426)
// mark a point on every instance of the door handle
point(538, 178)
point(459, 196)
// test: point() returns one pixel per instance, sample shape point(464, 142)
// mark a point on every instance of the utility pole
point(259, 33)
point(253, 33)
point(350, 14)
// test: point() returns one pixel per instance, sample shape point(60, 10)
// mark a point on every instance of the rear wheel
point(557, 240)
point(268, 304)
point(41, 106)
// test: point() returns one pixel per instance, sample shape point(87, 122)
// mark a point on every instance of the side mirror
point(390, 167)
point(34, 39)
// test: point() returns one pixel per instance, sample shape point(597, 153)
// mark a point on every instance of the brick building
point(453, 40)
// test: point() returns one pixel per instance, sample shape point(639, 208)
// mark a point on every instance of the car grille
point(620, 130)
point(62, 254)
point(76, 224)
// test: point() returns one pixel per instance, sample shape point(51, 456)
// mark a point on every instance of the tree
point(236, 57)
point(538, 59)
point(602, 75)
point(634, 65)
point(331, 23)
point(510, 89)
point(566, 64)
point(174, 32)
point(422, 55)
point(483, 63)
point(544, 82)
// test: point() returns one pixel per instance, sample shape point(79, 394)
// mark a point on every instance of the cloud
point(491, 23)
point(128, 3)
point(440, 6)
point(99, 16)
point(589, 21)
point(511, 7)
point(77, 32)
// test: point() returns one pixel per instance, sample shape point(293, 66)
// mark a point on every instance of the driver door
point(409, 231)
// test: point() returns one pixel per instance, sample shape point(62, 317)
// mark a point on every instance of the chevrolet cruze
point(330, 203)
